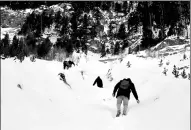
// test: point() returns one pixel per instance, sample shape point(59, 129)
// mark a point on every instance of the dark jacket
point(99, 82)
point(125, 91)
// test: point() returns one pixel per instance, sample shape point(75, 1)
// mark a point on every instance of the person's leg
point(119, 101)
point(125, 105)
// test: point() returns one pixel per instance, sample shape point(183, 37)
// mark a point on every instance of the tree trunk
point(150, 14)
point(162, 21)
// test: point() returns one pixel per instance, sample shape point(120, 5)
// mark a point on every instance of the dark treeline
point(77, 28)
point(21, 5)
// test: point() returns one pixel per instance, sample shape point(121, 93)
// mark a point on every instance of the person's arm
point(95, 82)
point(134, 93)
point(115, 88)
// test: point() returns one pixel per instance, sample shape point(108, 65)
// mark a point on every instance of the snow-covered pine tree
point(184, 56)
point(103, 52)
point(117, 48)
point(165, 71)
point(183, 74)
point(6, 44)
point(161, 63)
point(14, 46)
point(128, 64)
point(175, 72)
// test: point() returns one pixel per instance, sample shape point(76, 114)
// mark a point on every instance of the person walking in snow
point(99, 82)
point(63, 78)
point(124, 88)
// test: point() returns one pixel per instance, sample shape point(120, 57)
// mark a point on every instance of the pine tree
point(183, 74)
point(24, 47)
point(93, 31)
point(31, 42)
point(184, 57)
point(128, 64)
point(110, 29)
point(57, 20)
point(103, 52)
point(165, 71)
point(6, 44)
point(64, 28)
point(69, 46)
point(74, 25)
point(1, 47)
point(117, 7)
point(112, 48)
point(97, 15)
point(107, 51)
point(106, 5)
point(23, 50)
point(161, 63)
point(125, 44)
point(122, 33)
point(44, 48)
point(125, 4)
point(14, 47)
point(175, 72)
point(117, 48)
point(85, 25)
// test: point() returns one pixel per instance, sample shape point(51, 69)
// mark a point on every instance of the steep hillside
point(34, 98)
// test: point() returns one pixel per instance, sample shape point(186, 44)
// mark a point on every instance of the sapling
point(175, 72)
point(165, 71)
point(161, 63)
point(128, 64)
point(183, 74)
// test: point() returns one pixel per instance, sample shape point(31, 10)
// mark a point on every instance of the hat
point(124, 82)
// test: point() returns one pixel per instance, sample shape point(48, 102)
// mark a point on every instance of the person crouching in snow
point(99, 82)
point(124, 88)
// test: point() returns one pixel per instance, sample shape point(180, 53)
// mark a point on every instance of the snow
point(44, 102)
point(10, 31)
point(28, 11)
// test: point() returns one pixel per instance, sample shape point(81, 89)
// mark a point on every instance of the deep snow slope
point(44, 102)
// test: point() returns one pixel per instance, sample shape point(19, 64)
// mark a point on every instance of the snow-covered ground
point(46, 103)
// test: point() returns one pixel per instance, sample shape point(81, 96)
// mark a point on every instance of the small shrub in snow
point(128, 64)
point(111, 79)
point(82, 73)
point(175, 72)
point(184, 57)
point(109, 75)
point(161, 63)
point(183, 74)
point(165, 71)
point(19, 86)
point(167, 63)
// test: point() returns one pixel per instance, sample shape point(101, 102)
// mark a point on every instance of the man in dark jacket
point(124, 88)
point(99, 82)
